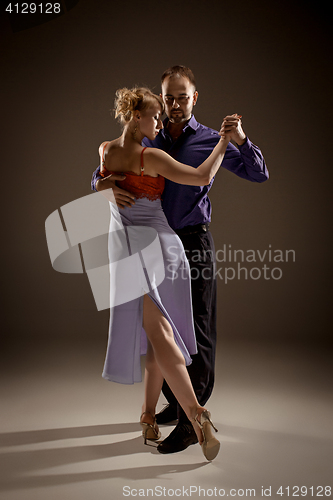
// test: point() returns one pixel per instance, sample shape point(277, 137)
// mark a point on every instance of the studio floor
point(68, 434)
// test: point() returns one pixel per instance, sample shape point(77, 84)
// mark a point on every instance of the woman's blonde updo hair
point(136, 99)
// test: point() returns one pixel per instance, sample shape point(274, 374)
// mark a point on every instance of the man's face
point(179, 96)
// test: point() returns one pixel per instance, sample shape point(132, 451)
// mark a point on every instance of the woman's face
point(150, 122)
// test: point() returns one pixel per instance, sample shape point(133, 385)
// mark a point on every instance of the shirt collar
point(192, 124)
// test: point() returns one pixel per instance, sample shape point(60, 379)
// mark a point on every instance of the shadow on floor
point(264, 455)
point(19, 466)
point(41, 436)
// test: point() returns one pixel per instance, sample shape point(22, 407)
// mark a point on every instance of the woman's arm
point(171, 169)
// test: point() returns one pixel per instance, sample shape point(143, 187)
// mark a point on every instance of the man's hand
point(232, 127)
point(123, 198)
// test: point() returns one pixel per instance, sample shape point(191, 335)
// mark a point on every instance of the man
point(188, 210)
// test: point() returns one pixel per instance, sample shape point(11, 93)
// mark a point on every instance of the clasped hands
point(231, 128)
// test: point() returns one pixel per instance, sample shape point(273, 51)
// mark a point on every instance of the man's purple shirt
point(190, 205)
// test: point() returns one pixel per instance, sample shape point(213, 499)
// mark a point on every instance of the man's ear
point(195, 97)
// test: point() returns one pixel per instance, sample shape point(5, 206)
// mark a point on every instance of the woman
point(165, 311)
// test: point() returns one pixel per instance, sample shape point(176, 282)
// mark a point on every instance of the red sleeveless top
point(142, 186)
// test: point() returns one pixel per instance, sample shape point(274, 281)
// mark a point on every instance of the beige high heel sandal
point(210, 445)
point(149, 431)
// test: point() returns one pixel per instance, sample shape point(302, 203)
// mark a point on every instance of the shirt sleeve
point(95, 177)
point(246, 161)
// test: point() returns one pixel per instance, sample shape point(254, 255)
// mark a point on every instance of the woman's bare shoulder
point(155, 153)
point(107, 146)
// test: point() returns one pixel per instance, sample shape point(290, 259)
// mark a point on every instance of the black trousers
point(200, 251)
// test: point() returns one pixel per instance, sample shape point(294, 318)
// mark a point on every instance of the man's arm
point(246, 161)
point(96, 177)
point(98, 183)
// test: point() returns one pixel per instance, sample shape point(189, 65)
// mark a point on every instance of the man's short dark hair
point(179, 71)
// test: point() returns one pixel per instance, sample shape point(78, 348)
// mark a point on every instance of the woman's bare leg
point(153, 385)
point(170, 361)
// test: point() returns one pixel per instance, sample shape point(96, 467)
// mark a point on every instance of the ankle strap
point(148, 413)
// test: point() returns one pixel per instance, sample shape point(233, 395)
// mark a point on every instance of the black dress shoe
point(179, 439)
point(167, 415)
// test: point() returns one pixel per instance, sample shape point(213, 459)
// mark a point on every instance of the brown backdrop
point(268, 61)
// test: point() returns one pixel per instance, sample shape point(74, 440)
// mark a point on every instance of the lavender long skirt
point(151, 260)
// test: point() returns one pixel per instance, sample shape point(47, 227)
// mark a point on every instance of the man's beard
point(178, 117)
